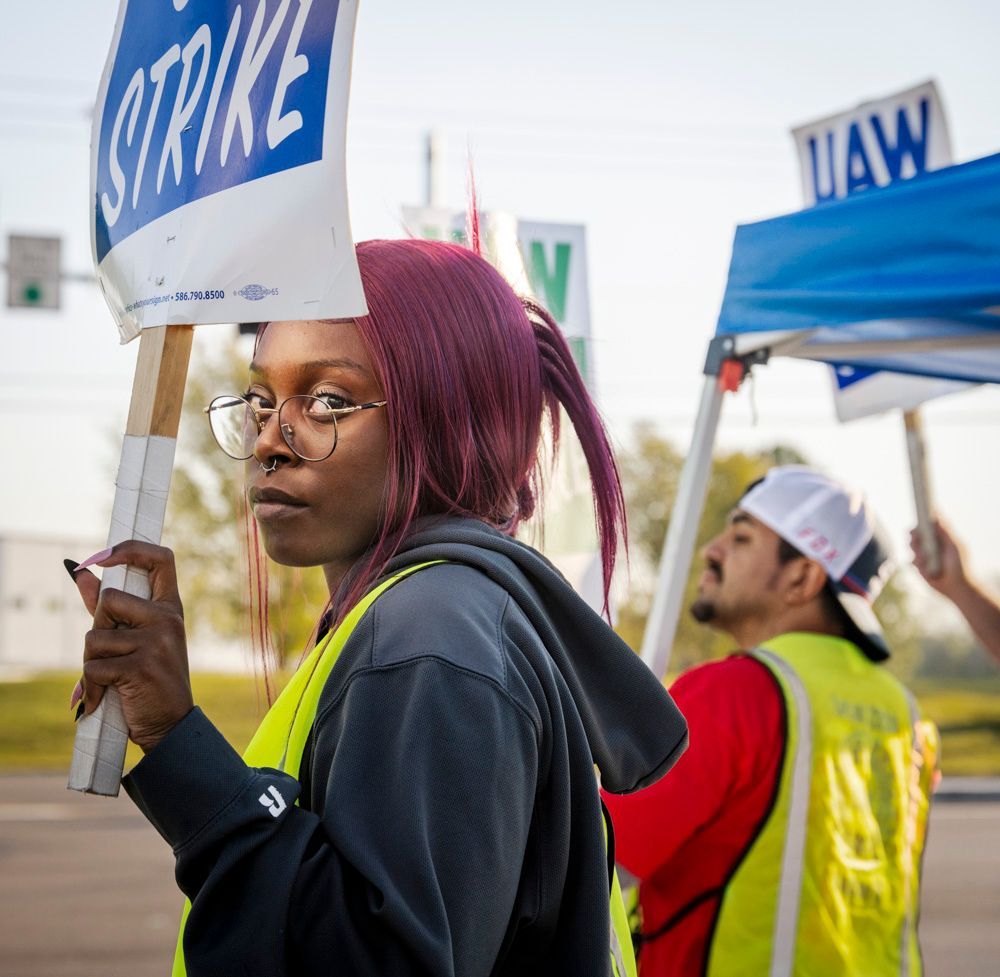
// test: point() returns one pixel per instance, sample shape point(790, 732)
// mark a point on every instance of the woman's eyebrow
point(340, 363)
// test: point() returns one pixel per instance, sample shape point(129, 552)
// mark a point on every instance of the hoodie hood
point(634, 729)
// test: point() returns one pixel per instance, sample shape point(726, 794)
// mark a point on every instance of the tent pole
point(661, 625)
point(916, 448)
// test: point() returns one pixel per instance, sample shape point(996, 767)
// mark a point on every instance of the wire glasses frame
point(308, 425)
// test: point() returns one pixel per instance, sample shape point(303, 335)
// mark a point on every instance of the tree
point(650, 474)
point(208, 527)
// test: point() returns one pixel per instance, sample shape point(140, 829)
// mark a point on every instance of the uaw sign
point(872, 145)
point(217, 169)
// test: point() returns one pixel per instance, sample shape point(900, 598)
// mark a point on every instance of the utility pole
point(434, 169)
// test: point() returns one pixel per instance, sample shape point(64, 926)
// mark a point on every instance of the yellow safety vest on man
point(831, 886)
point(280, 742)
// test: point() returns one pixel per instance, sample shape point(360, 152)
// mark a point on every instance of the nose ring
point(273, 466)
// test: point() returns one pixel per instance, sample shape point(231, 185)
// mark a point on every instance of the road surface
point(87, 887)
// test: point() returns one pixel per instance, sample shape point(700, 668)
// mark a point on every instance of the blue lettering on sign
point(204, 97)
point(906, 143)
point(831, 182)
point(847, 376)
point(851, 160)
point(859, 170)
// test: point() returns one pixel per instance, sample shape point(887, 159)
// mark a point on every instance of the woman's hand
point(138, 645)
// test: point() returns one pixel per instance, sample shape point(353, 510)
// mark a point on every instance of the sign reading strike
point(872, 145)
point(217, 168)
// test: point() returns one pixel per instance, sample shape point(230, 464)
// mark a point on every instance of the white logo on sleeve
point(273, 801)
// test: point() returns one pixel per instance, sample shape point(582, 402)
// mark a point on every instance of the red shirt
point(684, 836)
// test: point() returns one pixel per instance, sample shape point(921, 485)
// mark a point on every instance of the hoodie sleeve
point(427, 775)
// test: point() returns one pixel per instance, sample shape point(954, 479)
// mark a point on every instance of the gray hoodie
point(448, 820)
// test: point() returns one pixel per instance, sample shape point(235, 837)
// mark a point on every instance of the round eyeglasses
point(307, 424)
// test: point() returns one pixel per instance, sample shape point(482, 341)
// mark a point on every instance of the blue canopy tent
point(905, 278)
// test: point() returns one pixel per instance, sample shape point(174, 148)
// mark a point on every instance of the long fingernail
point(79, 711)
point(96, 558)
point(77, 694)
point(71, 566)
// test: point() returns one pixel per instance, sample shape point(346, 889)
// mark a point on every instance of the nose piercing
point(273, 466)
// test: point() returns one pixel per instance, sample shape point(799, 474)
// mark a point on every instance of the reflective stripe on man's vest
point(281, 738)
point(829, 886)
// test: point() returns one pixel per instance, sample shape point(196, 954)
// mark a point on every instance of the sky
point(661, 126)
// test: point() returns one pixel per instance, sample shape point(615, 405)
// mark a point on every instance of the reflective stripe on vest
point(281, 738)
point(829, 885)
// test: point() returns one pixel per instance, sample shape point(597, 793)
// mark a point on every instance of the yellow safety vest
point(830, 885)
point(280, 741)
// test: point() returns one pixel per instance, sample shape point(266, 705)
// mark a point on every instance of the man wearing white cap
point(788, 839)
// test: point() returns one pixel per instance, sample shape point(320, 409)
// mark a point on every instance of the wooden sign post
point(147, 461)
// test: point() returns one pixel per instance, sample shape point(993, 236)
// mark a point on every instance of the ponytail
point(563, 386)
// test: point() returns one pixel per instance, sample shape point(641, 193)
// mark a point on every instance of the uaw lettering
point(205, 97)
point(873, 145)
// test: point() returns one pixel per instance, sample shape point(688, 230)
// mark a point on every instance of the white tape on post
point(916, 449)
point(140, 504)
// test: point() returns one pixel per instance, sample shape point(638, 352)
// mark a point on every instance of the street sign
point(32, 272)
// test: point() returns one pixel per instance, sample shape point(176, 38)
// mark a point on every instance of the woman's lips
point(267, 509)
point(271, 503)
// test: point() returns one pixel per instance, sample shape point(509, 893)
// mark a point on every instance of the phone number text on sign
point(215, 293)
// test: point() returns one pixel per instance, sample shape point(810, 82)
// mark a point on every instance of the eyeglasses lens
point(309, 427)
point(234, 426)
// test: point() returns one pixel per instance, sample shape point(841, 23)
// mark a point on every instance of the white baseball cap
point(833, 525)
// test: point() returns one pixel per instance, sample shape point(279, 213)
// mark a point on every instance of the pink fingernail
point(96, 558)
point(77, 694)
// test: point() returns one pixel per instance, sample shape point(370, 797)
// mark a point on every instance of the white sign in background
point(217, 164)
point(547, 262)
point(544, 260)
point(872, 145)
point(877, 143)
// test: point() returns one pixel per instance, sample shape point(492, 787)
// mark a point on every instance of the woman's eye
point(256, 400)
point(332, 401)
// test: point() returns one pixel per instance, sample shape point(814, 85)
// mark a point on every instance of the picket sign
point(880, 142)
point(219, 195)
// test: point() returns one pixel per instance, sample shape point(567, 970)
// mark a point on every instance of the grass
point(36, 726)
point(968, 715)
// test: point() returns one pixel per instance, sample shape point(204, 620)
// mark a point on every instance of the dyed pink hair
point(468, 370)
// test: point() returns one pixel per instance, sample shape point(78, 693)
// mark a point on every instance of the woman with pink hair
point(421, 798)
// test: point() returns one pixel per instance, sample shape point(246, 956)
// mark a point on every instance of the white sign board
point(547, 262)
point(544, 260)
point(217, 163)
point(862, 393)
point(872, 145)
point(33, 266)
point(875, 144)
